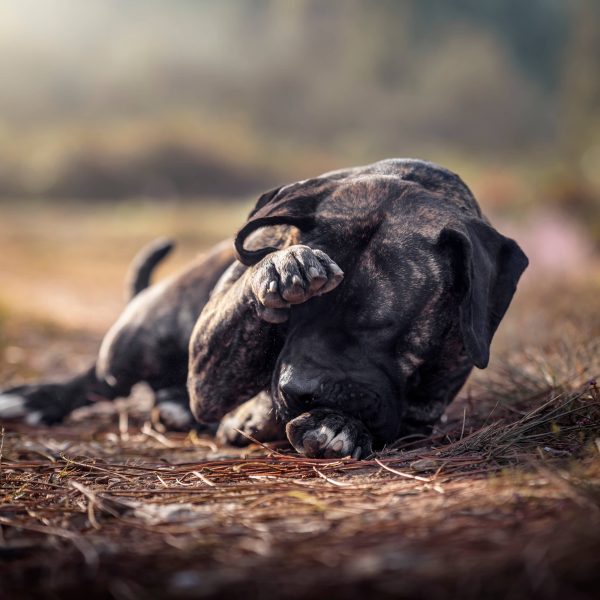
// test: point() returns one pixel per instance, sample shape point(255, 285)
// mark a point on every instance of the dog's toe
point(35, 417)
point(252, 420)
point(341, 445)
point(310, 444)
point(230, 428)
point(175, 416)
point(315, 442)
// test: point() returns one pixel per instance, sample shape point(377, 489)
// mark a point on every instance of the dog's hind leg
point(118, 366)
point(48, 403)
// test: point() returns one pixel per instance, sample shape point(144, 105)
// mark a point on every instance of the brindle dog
point(352, 313)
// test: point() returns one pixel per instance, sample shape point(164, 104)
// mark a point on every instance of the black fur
point(144, 264)
point(360, 301)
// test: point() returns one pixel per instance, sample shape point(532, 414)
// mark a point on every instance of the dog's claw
point(272, 287)
point(337, 446)
point(335, 269)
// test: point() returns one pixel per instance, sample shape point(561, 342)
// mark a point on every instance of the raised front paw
point(323, 433)
point(292, 276)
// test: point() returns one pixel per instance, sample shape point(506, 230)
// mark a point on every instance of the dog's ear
point(488, 267)
point(295, 205)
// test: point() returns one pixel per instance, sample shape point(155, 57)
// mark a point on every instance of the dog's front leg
point(240, 332)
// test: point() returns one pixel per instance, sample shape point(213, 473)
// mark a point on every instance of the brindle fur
point(345, 365)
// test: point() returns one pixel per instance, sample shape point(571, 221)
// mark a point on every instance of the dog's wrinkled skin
point(353, 317)
point(426, 281)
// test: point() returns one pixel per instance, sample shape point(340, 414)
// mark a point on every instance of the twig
point(255, 441)
point(1, 447)
point(159, 437)
point(407, 475)
point(329, 480)
point(197, 441)
point(93, 467)
point(204, 479)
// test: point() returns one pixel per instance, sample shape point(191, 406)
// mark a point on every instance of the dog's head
point(420, 264)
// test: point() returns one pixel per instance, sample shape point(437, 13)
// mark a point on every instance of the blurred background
point(121, 121)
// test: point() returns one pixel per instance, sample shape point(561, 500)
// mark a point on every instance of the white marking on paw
point(34, 418)
point(174, 414)
point(12, 406)
point(327, 432)
point(341, 443)
point(111, 380)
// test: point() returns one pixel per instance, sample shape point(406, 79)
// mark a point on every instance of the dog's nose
point(298, 391)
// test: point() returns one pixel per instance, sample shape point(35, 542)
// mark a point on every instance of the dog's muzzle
point(298, 392)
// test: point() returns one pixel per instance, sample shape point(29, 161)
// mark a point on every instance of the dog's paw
point(173, 416)
point(254, 418)
point(323, 433)
point(172, 409)
point(292, 276)
point(32, 404)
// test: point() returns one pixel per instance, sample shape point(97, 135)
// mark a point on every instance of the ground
point(503, 501)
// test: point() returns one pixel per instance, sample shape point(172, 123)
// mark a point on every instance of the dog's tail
point(144, 263)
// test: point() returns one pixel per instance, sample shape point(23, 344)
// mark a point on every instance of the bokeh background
point(125, 120)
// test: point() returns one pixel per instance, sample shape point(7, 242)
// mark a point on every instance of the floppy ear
point(488, 266)
point(289, 205)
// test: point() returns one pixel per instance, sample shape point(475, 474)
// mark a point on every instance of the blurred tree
point(284, 88)
point(580, 92)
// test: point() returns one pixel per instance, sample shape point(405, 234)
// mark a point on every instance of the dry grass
point(510, 509)
point(65, 264)
point(503, 501)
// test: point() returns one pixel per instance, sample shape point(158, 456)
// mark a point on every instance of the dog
point(348, 313)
